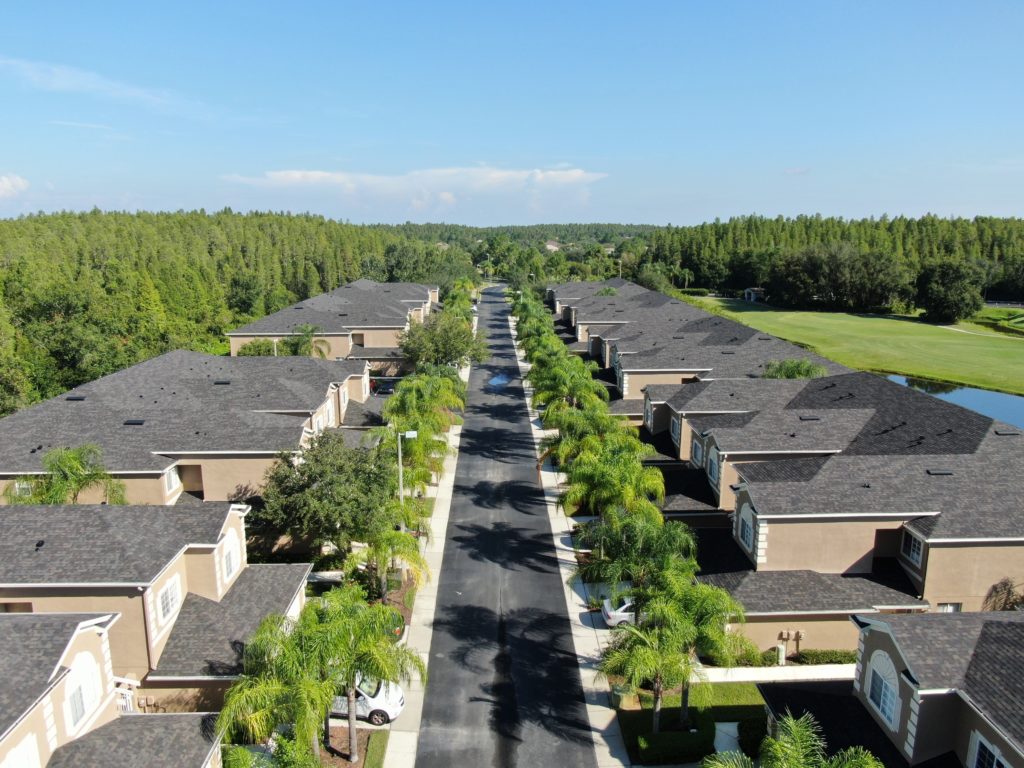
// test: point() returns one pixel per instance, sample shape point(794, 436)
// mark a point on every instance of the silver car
point(620, 613)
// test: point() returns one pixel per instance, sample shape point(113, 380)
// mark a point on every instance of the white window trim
point(976, 740)
point(908, 536)
point(85, 681)
point(233, 551)
point(173, 583)
point(882, 666)
point(172, 479)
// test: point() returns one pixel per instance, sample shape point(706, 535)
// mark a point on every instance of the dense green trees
point(83, 295)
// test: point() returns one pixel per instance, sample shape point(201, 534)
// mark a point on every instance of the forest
point(86, 294)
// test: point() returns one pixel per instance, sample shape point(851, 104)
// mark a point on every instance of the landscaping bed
point(372, 745)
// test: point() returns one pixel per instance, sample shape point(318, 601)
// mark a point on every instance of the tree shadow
point(509, 547)
point(524, 497)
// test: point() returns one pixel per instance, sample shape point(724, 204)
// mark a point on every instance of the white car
point(618, 614)
point(377, 702)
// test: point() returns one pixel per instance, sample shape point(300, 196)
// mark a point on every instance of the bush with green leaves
point(826, 656)
point(679, 746)
point(793, 369)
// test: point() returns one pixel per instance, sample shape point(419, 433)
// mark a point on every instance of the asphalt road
point(504, 688)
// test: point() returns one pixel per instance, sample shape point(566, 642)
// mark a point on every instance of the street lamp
point(412, 434)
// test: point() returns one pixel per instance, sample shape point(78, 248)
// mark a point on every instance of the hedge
point(751, 732)
point(694, 291)
point(826, 656)
point(679, 746)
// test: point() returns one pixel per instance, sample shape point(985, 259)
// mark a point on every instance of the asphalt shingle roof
point(33, 645)
point(187, 401)
point(208, 637)
point(366, 414)
point(155, 741)
point(100, 544)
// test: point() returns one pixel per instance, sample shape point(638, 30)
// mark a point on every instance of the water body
point(997, 405)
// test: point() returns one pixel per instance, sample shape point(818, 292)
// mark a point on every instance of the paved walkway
point(504, 686)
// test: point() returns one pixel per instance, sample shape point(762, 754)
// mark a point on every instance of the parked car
point(619, 613)
point(377, 702)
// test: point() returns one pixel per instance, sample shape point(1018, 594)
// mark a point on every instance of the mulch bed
point(339, 747)
point(396, 599)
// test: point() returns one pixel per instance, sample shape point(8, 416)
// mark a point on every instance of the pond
point(997, 405)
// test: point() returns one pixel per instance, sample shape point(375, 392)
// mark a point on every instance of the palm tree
point(798, 743)
point(282, 683)
point(608, 473)
point(68, 473)
point(357, 640)
point(574, 427)
point(646, 654)
point(1004, 595)
point(305, 344)
point(385, 548)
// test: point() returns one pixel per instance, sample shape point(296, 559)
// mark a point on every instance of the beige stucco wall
point(958, 573)
point(968, 722)
point(53, 706)
point(128, 644)
point(224, 476)
point(828, 546)
point(875, 640)
point(818, 631)
point(660, 416)
point(376, 337)
point(200, 696)
point(206, 566)
point(158, 632)
point(338, 345)
point(358, 387)
point(635, 381)
point(139, 489)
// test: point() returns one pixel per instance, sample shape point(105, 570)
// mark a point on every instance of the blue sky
point(523, 112)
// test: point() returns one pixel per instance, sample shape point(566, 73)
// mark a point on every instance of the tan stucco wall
point(206, 574)
point(35, 723)
point(635, 381)
point(222, 477)
point(376, 337)
point(828, 546)
point(660, 414)
point(128, 644)
point(158, 632)
point(338, 345)
point(970, 721)
point(875, 640)
point(147, 489)
point(358, 387)
point(203, 696)
point(819, 631)
point(955, 573)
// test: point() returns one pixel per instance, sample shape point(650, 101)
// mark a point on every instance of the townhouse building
point(61, 705)
point(361, 320)
point(177, 577)
point(188, 423)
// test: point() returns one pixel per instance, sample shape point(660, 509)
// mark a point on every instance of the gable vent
point(134, 422)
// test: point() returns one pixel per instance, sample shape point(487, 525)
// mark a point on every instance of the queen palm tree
point(282, 683)
point(797, 743)
point(385, 548)
point(608, 473)
point(68, 473)
point(305, 344)
point(648, 654)
point(574, 427)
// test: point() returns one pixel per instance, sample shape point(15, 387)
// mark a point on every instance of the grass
point(375, 750)
point(729, 702)
point(897, 344)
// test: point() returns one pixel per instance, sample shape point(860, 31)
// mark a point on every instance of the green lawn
point(375, 750)
point(903, 345)
point(729, 702)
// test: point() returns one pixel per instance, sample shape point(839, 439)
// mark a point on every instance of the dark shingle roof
point(156, 741)
point(100, 544)
point(366, 414)
point(979, 654)
point(687, 490)
point(208, 637)
point(186, 401)
point(33, 645)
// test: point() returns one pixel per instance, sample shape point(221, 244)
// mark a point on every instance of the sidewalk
point(405, 731)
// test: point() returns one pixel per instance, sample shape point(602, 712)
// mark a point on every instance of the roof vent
point(728, 351)
point(134, 422)
point(39, 544)
point(865, 485)
point(1000, 432)
point(221, 382)
point(810, 418)
point(764, 338)
point(80, 398)
point(939, 472)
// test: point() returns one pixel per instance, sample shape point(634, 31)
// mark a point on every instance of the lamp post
point(411, 435)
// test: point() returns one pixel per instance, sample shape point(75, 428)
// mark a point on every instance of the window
point(986, 755)
point(76, 703)
point(648, 416)
point(911, 547)
point(344, 396)
point(697, 454)
point(170, 596)
point(883, 692)
point(713, 465)
point(674, 429)
point(950, 607)
point(318, 424)
point(746, 532)
point(172, 480)
point(330, 413)
point(231, 554)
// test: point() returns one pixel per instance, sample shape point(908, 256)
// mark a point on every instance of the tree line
point(86, 294)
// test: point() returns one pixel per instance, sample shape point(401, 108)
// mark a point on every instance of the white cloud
point(434, 188)
point(58, 78)
point(12, 185)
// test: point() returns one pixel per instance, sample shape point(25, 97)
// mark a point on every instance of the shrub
point(751, 732)
point(793, 369)
point(745, 653)
point(694, 291)
point(770, 658)
point(826, 656)
point(678, 746)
